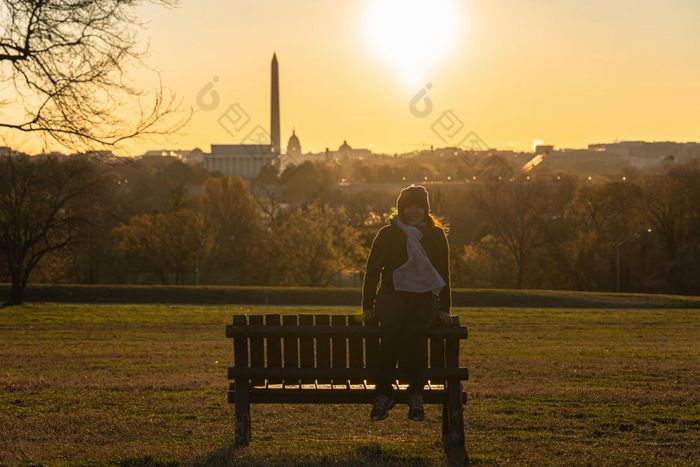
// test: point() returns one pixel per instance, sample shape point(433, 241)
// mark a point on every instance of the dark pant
point(403, 319)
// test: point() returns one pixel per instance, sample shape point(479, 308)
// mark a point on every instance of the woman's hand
point(445, 318)
point(369, 316)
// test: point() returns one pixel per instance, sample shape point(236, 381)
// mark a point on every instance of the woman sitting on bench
point(409, 259)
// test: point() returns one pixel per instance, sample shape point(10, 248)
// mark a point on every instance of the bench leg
point(242, 417)
point(454, 439)
point(445, 420)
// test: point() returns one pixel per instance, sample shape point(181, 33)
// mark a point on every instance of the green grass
point(329, 296)
point(145, 385)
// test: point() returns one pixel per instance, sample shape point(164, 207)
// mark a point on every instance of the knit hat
point(413, 195)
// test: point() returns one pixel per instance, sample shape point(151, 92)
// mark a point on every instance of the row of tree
point(564, 233)
point(224, 239)
point(77, 219)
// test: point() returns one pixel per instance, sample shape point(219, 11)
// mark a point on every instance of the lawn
point(146, 385)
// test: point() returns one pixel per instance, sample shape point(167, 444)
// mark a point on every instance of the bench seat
point(326, 394)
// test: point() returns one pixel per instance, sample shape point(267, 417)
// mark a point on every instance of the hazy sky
point(567, 72)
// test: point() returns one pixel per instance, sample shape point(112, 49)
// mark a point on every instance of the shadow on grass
point(365, 454)
point(375, 454)
point(220, 457)
point(146, 461)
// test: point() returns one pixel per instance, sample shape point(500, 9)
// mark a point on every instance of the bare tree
point(672, 209)
point(237, 232)
point(66, 62)
point(514, 208)
point(269, 192)
point(313, 243)
point(43, 205)
point(168, 244)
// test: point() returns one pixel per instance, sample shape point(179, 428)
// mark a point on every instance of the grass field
point(335, 296)
point(146, 385)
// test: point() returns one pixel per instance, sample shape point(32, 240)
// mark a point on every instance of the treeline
point(82, 220)
point(561, 232)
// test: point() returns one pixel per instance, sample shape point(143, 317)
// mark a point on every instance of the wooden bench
point(331, 359)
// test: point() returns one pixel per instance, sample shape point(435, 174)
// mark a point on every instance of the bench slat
point(290, 346)
point(274, 347)
point(323, 345)
point(355, 347)
point(257, 348)
point(337, 373)
point(240, 344)
point(306, 347)
point(338, 345)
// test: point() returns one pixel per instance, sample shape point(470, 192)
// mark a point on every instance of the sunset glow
point(568, 73)
point(410, 36)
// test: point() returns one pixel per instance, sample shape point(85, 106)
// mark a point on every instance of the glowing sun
point(411, 35)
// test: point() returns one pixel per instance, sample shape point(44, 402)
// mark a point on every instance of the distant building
point(195, 156)
point(346, 152)
point(155, 153)
point(623, 148)
point(544, 149)
point(293, 149)
point(192, 156)
point(103, 156)
point(243, 160)
point(690, 152)
point(643, 154)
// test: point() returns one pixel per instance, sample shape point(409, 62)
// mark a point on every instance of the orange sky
point(567, 72)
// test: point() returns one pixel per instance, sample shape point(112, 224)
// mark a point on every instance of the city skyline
point(563, 74)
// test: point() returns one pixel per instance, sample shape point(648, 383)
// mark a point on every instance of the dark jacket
point(388, 252)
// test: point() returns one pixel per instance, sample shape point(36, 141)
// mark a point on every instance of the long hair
point(437, 222)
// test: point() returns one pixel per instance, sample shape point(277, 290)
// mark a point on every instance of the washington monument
point(275, 140)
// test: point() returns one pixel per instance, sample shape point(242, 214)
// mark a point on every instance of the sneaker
point(415, 407)
point(380, 407)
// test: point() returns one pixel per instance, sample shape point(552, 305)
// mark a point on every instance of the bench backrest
point(326, 349)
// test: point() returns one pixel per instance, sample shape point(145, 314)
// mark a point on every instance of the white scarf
point(418, 273)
